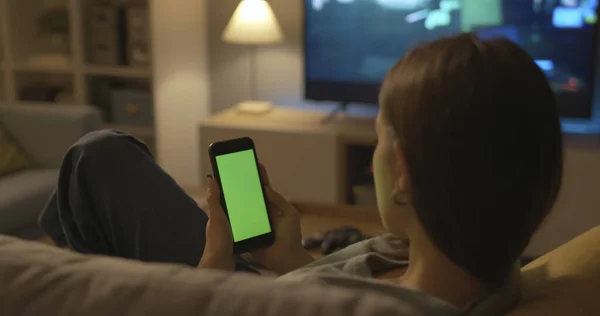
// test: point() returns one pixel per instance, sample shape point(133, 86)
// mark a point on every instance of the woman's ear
point(401, 167)
point(402, 215)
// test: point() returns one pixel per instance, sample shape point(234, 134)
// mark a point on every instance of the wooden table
point(321, 218)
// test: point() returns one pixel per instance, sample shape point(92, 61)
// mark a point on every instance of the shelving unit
point(117, 71)
point(49, 53)
point(46, 68)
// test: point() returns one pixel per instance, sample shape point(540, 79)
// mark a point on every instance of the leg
point(113, 199)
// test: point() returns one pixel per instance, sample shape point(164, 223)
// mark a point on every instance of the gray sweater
point(355, 266)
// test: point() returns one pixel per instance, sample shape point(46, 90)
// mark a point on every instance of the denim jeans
point(113, 199)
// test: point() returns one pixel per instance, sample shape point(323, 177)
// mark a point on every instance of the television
point(351, 44)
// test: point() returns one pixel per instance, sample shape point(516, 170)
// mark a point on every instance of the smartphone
point(236, 170)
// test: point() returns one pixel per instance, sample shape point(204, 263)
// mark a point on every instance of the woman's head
point(470, 137)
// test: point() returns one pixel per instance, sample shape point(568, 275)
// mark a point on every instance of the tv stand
point(307, 160)
point(339, 110)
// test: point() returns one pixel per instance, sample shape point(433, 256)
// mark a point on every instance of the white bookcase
point(60, 60)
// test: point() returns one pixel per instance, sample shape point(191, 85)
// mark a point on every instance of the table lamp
point(253, 23)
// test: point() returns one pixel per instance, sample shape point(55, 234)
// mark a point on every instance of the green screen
point(243, 195)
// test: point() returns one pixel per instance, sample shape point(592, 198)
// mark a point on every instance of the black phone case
point(231, 146)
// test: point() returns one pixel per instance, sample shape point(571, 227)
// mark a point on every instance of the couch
point(36, 279)
point(44, 132)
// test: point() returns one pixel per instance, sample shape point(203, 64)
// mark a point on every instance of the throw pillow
point(12, 158)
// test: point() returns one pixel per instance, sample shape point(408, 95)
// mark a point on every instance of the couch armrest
point(45, 132)
point(565, 281)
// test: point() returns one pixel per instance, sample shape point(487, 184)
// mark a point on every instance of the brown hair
point(480, 132)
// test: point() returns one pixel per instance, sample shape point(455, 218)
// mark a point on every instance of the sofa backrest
point(36, 279)
point(45, 132)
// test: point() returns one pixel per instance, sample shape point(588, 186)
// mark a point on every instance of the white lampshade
point(253, 22)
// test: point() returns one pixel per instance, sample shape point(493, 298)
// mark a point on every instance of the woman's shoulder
point(386, 245)
point(363, 257)
point(390, 246)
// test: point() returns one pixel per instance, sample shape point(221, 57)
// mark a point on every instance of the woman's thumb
point(213, 197)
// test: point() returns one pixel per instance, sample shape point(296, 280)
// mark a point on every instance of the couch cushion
point(12, 157)
point(24, 194)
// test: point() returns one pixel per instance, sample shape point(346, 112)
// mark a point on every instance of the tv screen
point(351, 44)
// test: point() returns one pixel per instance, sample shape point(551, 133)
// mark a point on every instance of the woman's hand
point(287, 253)
point(218, 250)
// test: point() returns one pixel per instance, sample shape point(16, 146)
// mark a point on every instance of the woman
point(468, 164)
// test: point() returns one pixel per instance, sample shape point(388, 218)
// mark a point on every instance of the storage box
point(132, 107)
point(105, 35)
point(138, 36)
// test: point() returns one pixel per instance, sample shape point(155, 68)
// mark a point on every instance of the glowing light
point(253, 22)
point(417, 16)
point(401, 4)
point(545, 65)
point(573, 82)
point(319, 4)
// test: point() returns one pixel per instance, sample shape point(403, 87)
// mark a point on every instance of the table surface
point(320, 218)
point(350, 129)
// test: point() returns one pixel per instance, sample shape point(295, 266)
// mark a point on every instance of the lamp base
point(254, 107)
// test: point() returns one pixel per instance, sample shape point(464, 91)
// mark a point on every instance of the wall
point(578, 206)
point(280, 81)
point(181, 84)
point(279, 66)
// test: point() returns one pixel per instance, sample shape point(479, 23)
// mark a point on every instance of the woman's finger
point(264, 176)
point(276, 199)
point(278, 204)
point(272, 195)
point(273, 209)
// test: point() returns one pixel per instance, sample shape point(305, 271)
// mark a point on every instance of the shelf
point(62, 50)
point(39, 67)
point(118, 71)
point(137, 131)
point(44, 86)
point(38, 29)
point(47, 103)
